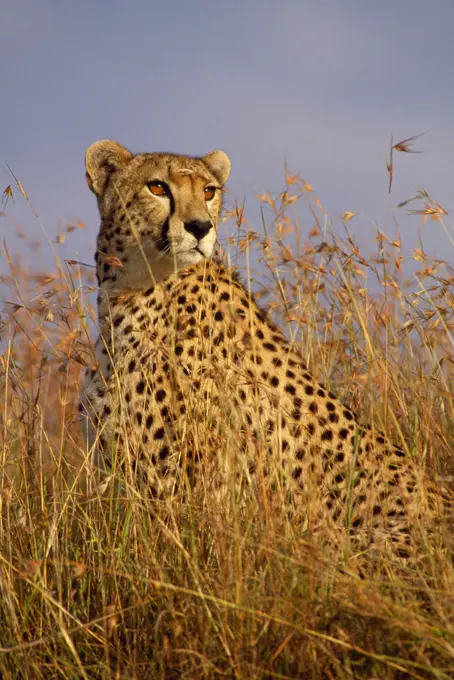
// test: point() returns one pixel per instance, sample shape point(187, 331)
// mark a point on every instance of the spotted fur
point(191, 373)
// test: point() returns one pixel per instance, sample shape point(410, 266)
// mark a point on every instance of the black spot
point(313, 407)
point(321, 393)
point(160, 433)
point(381, 440)
point(117, 320)
point(181, 299)
point(218, 316)
point(139, 418)
point(132, 366)
point(333, 418)
point(311, 429)
point(107, 410)
point(274, 380)
point(259, 333)
point(290, 389)
point(309, 389)
point(160, 395)
point(191, 309)
point(179, 349)
point(296, 414)
point(343, 434)
point(327, 436)
point(164, 452)
point(149, 291)
point(297, 472)
point(195, 289)
point(300, 454)
point(336, 514)
point(140, 387)
point(330, 406)
point(290, 374)
point(269, 346)
point(261, 315)
point(348, 415)
point(277, 362)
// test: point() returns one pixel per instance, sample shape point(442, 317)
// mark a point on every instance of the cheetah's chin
point(193, 256)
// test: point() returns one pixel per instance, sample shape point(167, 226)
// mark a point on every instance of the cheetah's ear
point(218, 163)
point(101, 159)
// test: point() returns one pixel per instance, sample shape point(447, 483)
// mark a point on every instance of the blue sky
point(320, 84)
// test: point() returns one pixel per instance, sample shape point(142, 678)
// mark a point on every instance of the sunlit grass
point(97, 582)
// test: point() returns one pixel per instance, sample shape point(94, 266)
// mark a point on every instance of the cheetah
point(189, 368)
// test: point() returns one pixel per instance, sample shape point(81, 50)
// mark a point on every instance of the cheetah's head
point(159, 211)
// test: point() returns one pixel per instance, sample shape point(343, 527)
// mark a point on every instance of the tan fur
point(191, 372)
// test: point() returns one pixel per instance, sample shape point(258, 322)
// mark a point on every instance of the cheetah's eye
point(209, 193)
point(157, 188)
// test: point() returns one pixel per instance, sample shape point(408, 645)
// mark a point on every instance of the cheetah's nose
point(198, 229)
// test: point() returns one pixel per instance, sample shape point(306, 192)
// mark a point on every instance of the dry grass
point(96, 586)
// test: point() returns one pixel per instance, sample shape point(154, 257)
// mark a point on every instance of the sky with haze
point(318, 84)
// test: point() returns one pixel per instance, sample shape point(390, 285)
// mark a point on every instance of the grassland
point(95, 584)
